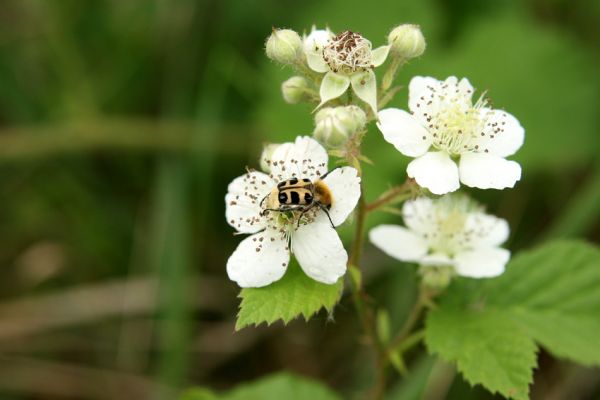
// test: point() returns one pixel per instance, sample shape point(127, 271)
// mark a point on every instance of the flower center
point(287, 222)
point(456, 126)
point(449, 234)
point(348, 52)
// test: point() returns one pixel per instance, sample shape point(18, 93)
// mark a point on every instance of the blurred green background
point(121, 124)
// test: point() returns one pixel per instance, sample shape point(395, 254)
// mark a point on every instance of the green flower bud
point(285, 46)
point(436, 277)
point(334, 126)
point(406, 41)
point(267, 155)
point(294, 89)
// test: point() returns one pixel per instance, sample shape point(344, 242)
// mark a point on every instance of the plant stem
point(402, 192)
point(413, 318)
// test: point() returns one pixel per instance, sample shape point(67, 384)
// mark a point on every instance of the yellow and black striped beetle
point(300, 195)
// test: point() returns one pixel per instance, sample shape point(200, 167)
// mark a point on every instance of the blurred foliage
point(122, 122)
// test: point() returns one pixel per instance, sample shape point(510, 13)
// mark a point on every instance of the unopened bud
point(284, 46)
point(436, 277)
point(294, 89)
point(267, 155)
point(334, 126)
point(407, 41)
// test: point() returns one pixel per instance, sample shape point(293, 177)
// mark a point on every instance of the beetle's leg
point(327, 173)
point(326, 211)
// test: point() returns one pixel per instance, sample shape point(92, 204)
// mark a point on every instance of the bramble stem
point(399, 193)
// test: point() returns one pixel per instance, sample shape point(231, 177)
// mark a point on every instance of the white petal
point(502, 133)
point(487, 171)
point(305, 158)
point(333, 86)
point(344, 184)
point(320, 251)
point(317, 38)
point(242, 202)
point(482, 263)
point(436, 259)
point(419, 214)
point(379, 55)
point(435, 171)
point(365, 87)
point(422, 90)
point(259, 259)
point(404, 131)
point(398, 242)
point(486, 230)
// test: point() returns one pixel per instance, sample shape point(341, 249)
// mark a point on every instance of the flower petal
point(502, 133)
point(404, 131)
point(437, 260)
point(320, 251)
point(486, 230)
point(435, 171)
point(398, 242)
point(333, 86)
point(259, 259)
point(379, 55)
point(487, 171)
point(313, 48)
point(422, 90)
point(419, 214)
point(427, 96)
point(365, 86)
point(344, 184)
point(242, 202)
point(482, 263)
point(305, 158)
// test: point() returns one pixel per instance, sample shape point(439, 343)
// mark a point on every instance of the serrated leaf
point(273, 387)
point(552, 293)
point(294, 295)
point(487, 346)
point(547, 296)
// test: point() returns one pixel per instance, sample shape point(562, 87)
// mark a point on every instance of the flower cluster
point(294, 205)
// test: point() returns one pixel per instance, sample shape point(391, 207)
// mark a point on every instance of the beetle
point(301, 195)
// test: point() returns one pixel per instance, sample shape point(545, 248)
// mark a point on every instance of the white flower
point(263, 257)
point(444, 125)
point(449, 231)
point(347, 60)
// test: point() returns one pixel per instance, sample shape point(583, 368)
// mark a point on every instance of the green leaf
point(487, 346)
point(283, 386)
point(198, 394)
point(546, 296)
point(294, 295)
point(278, 386)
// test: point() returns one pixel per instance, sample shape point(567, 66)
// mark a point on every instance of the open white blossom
point(347, 60)
point(451, 231)
point(263, 257)
point(444, 126)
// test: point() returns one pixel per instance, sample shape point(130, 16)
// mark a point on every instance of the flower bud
point(334, 126)
point(267, 155)
point(294, 89)
point(436, 277)
point(407, 41)
point(284, 46)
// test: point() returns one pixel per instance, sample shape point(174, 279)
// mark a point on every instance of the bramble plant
point(491, 328)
